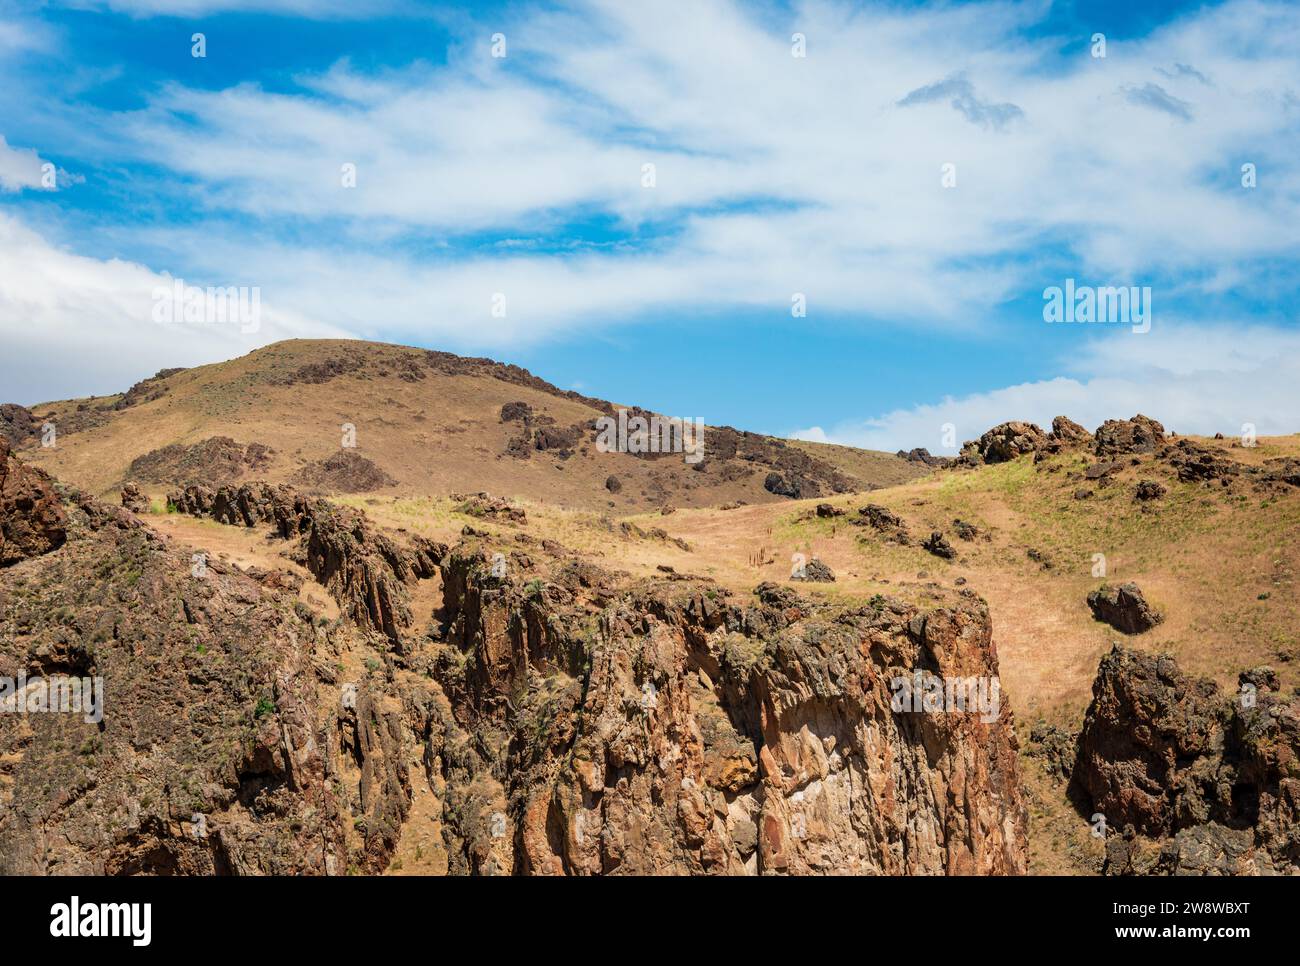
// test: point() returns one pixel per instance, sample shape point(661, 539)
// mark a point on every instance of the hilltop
point(423, 422)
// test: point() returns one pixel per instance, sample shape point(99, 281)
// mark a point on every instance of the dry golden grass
point(435, 435)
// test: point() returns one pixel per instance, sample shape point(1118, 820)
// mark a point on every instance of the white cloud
point(1194, 379)
point(75, 326)
point(19, 168)
point(850, 208)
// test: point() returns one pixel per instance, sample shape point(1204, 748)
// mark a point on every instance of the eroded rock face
point(365, 571)
point(567, 719)
point(1123, 608)
point(32, 519)
point(17, 424)
point(688, 732)
point(208, 757)
point(1206, 783)
point(1140, 434)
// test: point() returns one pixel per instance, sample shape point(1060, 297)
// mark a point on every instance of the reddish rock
point(32, 518)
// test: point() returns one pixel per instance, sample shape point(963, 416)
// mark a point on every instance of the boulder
point(1121, 437)
point(1149, 490)
point(1008, 440)
point(1066, 430)
point(938, 545)
point(1123, 608)
point(133, 499)
point(886, 522)
point(815, 571)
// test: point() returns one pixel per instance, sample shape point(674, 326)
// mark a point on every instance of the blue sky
point(524, 175)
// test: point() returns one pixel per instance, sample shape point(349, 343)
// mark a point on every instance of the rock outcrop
point(677, 730)
point(207, 755)
point(32, 519)
point(566, 719)
point(1197, 782)
point(1066, 430)
point(815, 571)
point(215, 461)
point(1006, 441)
point(346, 471)
point(366, 572)
point(886, 522)
point(133, 499)
point(1117, 437)
point(17, 424)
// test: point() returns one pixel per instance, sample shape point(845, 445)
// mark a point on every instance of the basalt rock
point(213, 461)
point(346, 471)
point(1196, 463)
point(815, 571)
point(32, 518)
point(208, 756)
point(886, 522)
point(1066, 430)
point(17, 424)
point(1123, 608)
point(1208, 779)
point(938, 545)
point(1099, 471)
point(1149, 490)
point(133, 499)
point(680, 730)
point(366, 572)
point(1122, 437)
point(922, 455)
point(1009, 440)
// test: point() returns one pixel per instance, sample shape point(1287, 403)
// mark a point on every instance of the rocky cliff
point(565, 719)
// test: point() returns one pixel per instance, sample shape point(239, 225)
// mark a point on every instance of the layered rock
point(674, 729)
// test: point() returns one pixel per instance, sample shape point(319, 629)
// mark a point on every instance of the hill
point(421, 422)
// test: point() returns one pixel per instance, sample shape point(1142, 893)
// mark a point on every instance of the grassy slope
point(437, 435)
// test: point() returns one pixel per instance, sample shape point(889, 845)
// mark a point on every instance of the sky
point(836, 221)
